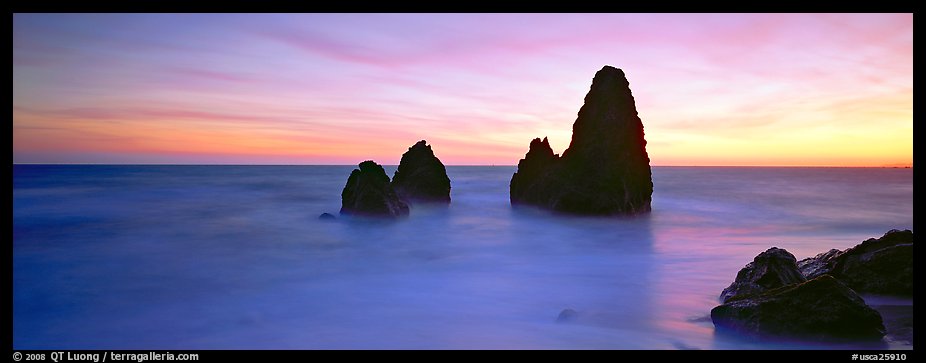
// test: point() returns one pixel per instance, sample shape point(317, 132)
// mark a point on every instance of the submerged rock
point(822, 308)
point(606, 168)
point(369, 193)
point(771, 269)
point(566, 315)
point(326, 216)
point(421, 176)
point(876, 266)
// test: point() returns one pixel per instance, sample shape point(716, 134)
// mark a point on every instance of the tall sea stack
point(606, 168)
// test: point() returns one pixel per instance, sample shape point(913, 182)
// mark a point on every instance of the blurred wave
point(234, 257)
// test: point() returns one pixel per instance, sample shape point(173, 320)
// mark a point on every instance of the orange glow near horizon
point(763, 90)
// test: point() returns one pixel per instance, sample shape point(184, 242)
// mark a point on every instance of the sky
point(711, 89)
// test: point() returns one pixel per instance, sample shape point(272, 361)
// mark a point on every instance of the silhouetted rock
point(606, 168)
point(771, 269)
point(326, 216)
point(878, 266)
point(566, 315)
point(822, 308)
point(421, 177)
point(369, 193)
point(532, 182)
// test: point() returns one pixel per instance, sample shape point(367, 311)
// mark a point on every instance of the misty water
point(235, 257)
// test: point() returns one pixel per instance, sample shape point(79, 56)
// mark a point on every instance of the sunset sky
point(725, 89)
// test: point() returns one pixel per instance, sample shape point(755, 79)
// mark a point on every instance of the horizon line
point(903, 166)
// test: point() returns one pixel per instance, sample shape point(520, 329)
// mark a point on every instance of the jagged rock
point(530, 184)
point(326, 216)
point(606, 168)
point(421, 177)
point(822, 308)
point(771, 269)
point(818, 265)
point(878, 266)
point(369, 193)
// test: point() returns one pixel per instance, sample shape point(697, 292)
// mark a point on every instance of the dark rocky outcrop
point(606, 168)
point(326, 217)
point(827, 305)
point(369, 193)
point(822, 308)
point(877, 266)
point(771, 269)
point(532, 182)
point(421, 177)
point(818, 265)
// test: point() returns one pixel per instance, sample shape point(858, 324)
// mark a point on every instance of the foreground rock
point(818, 265)
point(421, 177)
point(771, 269)
point(606, 168)
point(876, 266)
point(369, 193)
point(820, 309)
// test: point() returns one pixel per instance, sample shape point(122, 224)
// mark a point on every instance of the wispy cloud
point(340, 87)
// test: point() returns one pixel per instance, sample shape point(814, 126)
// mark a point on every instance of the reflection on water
point(169, 257)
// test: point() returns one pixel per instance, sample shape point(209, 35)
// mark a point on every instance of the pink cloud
point(483, 84)
point(212, 75)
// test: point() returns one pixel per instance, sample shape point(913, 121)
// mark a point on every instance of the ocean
point(235, 257)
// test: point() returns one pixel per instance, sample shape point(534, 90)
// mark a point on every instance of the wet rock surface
point(817, 297)
point(822, 308)
point(771, 269)
point(876, 266)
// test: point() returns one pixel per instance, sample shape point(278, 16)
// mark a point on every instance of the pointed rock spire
point(606, 168)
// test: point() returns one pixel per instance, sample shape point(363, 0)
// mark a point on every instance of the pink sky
point(724, 89)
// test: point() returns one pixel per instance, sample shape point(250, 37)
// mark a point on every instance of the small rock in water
point(326, 216)
point(566, 315)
